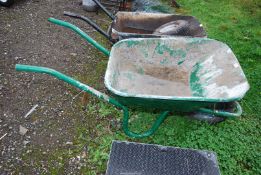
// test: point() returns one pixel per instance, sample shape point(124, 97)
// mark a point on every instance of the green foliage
point(236, 142)
point(162, 8)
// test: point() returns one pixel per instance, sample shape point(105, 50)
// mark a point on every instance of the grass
point(236, 142)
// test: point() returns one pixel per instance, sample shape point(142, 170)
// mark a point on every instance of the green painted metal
point(92, 91)
point(195, 84)
point(237, 113)
point(81, 33)
point(173, 105)
point(71, 81)
point(166, 51)
point(179, 106)
point(149, 132)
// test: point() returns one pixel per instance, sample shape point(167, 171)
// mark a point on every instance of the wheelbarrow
point(147, 25)
point(166, 74)
point(143, 25)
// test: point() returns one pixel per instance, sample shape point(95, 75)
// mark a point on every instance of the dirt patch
point(26, 37)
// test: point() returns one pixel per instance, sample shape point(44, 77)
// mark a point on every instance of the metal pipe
point(232, 115)
point(67, 79)
point(81, 33)
point(90, 22)
point(104, 9)
point(92, 91)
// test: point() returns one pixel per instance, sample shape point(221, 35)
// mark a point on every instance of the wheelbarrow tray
point(182, 74)
point(142, 25)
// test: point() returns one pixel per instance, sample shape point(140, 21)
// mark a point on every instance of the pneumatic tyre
point(6, 3)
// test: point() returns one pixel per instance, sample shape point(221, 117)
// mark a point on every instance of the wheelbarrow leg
point(160, 119)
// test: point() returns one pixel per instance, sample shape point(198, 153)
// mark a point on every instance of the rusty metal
point(116, 5)
point(181, 26)
point(141, 24)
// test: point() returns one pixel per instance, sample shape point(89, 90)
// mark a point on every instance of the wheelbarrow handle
point(219, 113)
point(104, 9)
point(90, 22)
point(92, 91)
point(81, 33)
point(63, 77)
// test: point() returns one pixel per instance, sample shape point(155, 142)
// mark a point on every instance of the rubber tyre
point(7, 3)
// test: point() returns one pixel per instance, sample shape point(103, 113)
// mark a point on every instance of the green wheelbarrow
point(168, 74)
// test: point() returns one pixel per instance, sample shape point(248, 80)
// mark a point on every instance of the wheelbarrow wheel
point(6, 3)
point(209, 118)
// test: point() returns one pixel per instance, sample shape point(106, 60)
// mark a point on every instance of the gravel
point(26, 37)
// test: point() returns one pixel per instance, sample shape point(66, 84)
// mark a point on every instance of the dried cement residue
point(165, 67)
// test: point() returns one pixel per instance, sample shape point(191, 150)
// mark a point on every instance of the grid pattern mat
point(127, 158)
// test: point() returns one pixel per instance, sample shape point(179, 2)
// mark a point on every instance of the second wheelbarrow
point(151, 25)
point(167, 74)
point(147, 25)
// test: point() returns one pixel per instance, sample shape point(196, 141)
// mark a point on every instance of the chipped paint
point(229, 51)
point(236, 65)
point(163, 48)
point(213, 90)
point(164, 61)
point(131, 43)
point(93, 91)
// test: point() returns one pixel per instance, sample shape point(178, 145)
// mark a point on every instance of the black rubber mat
point(127, 158)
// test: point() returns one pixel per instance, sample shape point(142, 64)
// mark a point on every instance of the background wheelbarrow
point(147, 25)
point(167, 74)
